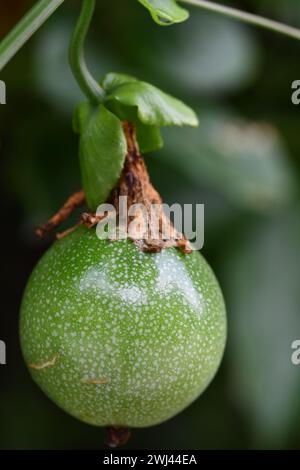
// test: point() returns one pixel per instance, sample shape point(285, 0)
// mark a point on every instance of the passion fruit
point(119, 337)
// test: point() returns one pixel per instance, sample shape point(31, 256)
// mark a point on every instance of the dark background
point(242, 163)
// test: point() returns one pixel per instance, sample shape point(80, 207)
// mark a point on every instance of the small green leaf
point(165, 12)
point(154, 107)
point(149, 138)
point(102, 152)
point(111, 81)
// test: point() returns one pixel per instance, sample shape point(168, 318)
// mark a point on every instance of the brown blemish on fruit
point(44, 365)
point(101, 381)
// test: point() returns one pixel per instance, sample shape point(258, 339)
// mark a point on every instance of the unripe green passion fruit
point(118, 337)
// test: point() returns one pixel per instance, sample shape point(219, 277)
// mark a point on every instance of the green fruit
point(119, 337)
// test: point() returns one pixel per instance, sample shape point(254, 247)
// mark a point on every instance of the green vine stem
point(26, 27)
point(87, 83)
point(246, 17)
point(43, 9)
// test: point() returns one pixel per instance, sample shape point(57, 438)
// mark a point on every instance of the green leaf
point(111, 81)
point(80, 117)
point(149, 138)
point(165, 12)
point(154, 107)
point(102, 152)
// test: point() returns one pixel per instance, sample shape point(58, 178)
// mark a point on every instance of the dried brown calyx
point(73, 202)
point(148, 214)
point(147, 224)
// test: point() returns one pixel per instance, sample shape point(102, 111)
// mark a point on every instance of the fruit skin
point(150, 327)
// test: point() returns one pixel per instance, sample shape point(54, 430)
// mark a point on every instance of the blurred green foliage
point(242, 163)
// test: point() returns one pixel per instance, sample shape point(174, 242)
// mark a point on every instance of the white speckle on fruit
point(101, 381)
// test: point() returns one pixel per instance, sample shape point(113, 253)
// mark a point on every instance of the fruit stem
point(86, 81)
